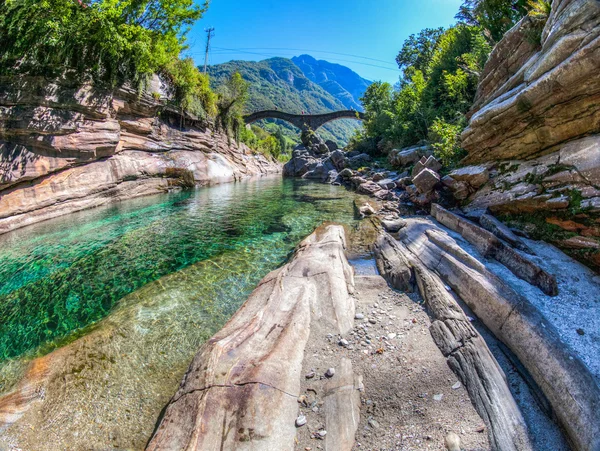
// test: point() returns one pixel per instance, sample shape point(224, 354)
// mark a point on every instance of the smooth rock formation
point(535, 125)
point(567, 383)
point(466, 351)
point(246, 379)
point(489, 245)
point(64, 148)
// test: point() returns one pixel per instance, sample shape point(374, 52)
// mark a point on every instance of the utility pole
point(210, 32)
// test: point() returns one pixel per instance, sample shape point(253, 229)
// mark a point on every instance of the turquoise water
point(61, 276)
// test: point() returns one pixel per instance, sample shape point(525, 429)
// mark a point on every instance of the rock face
point(511, 315)
point(247, 377)
point(535, 126)
point(64, 148)
point(531, 101)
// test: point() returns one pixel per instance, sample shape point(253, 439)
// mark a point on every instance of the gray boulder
point(331, 145)
point(338, 159)
point(476, 176)
point(359, 161)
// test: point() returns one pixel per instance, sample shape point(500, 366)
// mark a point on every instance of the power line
point(272, 54)
point(319, 51)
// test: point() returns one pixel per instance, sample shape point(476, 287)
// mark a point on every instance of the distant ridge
point(340, 81)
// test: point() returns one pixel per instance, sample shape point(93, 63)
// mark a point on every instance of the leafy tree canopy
point(495, 17)
point(110, 41)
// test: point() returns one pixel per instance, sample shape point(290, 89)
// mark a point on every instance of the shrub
point(445, 140)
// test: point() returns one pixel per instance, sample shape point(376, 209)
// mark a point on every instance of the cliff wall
point(535, 125)
point(64, 148)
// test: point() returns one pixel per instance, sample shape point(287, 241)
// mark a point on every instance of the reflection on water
point(165, 272)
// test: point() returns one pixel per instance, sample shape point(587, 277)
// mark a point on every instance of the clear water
point(128, 293)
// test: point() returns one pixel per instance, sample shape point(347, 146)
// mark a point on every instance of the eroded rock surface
point(64, 148)
point(530, 103)
point(568, 384)
point(247, 377)
point(535, 125)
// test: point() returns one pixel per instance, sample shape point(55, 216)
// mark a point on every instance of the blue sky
point(256, 30)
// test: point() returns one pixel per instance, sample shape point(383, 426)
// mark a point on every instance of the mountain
point(341, 82)
point(279, 83)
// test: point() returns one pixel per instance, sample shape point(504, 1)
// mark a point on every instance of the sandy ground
point(411, 399)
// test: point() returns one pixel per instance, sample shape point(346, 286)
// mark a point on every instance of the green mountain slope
point(340, 81)
point(279, 83)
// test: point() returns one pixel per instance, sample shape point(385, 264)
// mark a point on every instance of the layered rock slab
point(550, 98)
point(568, 384)
point(246, 379)
point(466, 352)
point(65, 147)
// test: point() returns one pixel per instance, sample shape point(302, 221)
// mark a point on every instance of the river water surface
point(114, 302)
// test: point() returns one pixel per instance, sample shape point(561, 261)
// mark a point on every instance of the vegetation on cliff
point(440, 74)
point(113, 43)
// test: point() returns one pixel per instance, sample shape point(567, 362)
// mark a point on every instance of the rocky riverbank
point(66, 147)
point(532, 143)
point(321, 357)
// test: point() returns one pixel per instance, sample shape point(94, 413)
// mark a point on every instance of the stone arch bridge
point(304, 121)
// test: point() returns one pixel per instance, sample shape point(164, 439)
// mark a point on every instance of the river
point(115, 301)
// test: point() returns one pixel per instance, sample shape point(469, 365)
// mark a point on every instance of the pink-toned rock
point(426, 180)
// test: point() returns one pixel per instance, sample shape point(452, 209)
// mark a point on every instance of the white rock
point(300, 421)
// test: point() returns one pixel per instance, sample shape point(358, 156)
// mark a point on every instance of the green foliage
point(108, 42)
point(232, 96)
point(495, 17)
point(417, 50)
point(445, 140)
point(539, 9)
point(191, 89)
point(263, 142)
point(277, 83)
point(105, 40)
point(435, 93)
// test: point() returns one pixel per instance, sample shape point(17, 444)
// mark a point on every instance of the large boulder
point(407, 156)
point(427, 163)
point(475, 176)
point(338, 159)
point(359, 161)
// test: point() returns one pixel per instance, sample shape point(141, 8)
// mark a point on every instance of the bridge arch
point(304, 121)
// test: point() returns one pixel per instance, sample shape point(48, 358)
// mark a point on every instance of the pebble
point(452, 442)
point(322, 433)
point(456, 386)
point(580, 331)
point(372, 320)
point(374, 424)
point(359, 316)
point(438, 397)
point(310, 375)
point(330, 372)
point(391, 336)
point(343, 342)
point(300, 421)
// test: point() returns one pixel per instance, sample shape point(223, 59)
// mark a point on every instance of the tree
point(417, 50)
point(495, 17)
point(107, 41)
point(232, 97)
